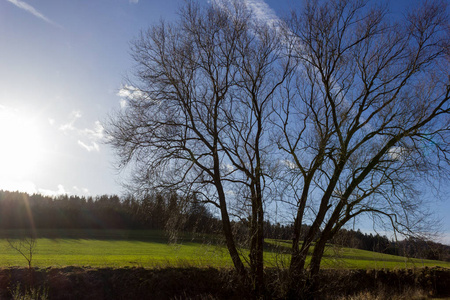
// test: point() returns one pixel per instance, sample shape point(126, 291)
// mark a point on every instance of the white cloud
point(29, 187)
point(95, 134)
point(20, 185)
point(261, 11)
point(123, 103)
point(60, 191)
point(134, 1)
point(69, 126)
point(89, 148)
point(397, 152)
point(32, 10)
point(227, 168)
point(291, 165)
point(131, 92)
point(87, 138)
point(81, 190)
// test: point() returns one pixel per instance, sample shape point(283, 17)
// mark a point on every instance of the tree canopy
point(340, 111)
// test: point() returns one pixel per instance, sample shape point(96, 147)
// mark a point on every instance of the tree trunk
point(329, 231)
point(313, 284)
point(257, 243)
point(228, 233)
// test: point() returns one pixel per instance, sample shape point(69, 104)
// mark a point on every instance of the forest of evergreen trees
point(158, 211)
point(411, 247)
point(20, 210)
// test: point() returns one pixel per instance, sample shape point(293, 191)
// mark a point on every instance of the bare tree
point(365, 121)
point(26, 246)
point(351, 106)
point(195, 121)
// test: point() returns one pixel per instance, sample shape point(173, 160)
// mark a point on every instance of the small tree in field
point(26, 246)
point(343, 110)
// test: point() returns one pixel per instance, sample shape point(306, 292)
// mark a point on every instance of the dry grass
point(213, 284)
point(383, 294)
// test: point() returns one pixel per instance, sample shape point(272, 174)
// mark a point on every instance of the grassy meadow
point(150, 249)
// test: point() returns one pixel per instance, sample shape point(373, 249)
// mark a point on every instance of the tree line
point(162, 211)
point(20, 210)
point(409, 247)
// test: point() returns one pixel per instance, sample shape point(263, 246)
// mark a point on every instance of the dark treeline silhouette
point(418, 248)
point(20, 210)
point(363, 241)
point(411, 247)
point(156, 211)
point(165, 211)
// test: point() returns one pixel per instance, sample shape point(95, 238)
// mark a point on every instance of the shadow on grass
point(148, 236)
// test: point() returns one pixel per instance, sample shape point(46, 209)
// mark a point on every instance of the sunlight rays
point(21, 145)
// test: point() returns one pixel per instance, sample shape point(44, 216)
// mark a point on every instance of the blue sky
point(62, 64)
point(61, 67)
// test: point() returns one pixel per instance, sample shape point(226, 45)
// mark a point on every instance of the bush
point(209, 283)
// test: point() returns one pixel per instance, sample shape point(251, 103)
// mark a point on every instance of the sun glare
point(20, 145)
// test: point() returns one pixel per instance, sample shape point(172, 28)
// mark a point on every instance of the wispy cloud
point(88, 138)
point(123, 103)
point(291, 165)
point(93, 146)
point(131, 92)
point(93, 136)
point(97, 133)
point(61, 190)
point(27, 7)
point(261, 11)
point(134, 1)
point(69, 126)
point(128, 92)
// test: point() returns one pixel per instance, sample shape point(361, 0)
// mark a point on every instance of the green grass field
point(119, 248)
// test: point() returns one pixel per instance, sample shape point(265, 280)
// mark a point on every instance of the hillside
point(155, 248)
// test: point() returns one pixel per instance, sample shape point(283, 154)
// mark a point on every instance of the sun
point(20, 145)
